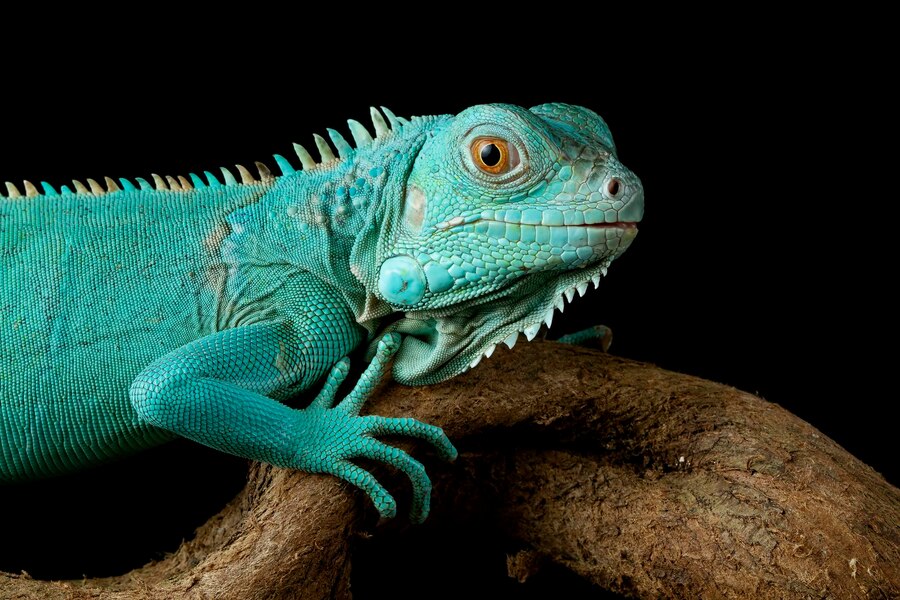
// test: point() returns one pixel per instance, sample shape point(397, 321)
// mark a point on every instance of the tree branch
point(645, 481)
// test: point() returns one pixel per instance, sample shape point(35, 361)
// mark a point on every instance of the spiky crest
point(361, 138)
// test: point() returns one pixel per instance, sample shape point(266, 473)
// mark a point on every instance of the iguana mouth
point(585, 221)
point(617, 224)
point(583, 240)
point(575, 234)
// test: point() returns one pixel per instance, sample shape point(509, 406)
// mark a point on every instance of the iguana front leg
point(216, 391)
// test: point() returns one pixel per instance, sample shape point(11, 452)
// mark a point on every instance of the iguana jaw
point(440, 344)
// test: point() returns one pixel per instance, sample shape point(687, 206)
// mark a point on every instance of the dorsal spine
point(361, 138)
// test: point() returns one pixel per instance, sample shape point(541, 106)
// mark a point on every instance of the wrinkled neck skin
point(330, 221)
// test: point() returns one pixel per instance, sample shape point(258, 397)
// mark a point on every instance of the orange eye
point(494, 155)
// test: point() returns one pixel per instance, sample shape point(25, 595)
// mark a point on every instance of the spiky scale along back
point(179, 183)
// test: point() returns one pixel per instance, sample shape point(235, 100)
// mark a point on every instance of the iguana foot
point(334, 434)
point(598, 336)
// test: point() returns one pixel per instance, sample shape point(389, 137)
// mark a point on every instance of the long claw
point(417, 429)
point(421, 500)
point(381, 498)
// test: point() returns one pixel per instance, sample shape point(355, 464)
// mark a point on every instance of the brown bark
point(645, 481)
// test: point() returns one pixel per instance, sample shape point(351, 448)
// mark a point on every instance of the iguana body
point(200, 307)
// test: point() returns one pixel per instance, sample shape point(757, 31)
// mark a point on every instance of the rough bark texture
point(645, 481)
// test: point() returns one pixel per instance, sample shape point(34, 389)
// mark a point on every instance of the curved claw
point(381, 498)
point(421, 484)
point(417, 429)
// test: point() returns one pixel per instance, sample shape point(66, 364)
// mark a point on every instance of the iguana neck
point(331, 220)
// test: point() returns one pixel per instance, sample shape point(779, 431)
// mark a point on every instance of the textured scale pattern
point(134, 311)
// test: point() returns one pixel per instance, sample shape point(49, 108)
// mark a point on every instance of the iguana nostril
point(613, 187)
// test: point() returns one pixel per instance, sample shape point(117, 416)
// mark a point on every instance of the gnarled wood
point(645, 481)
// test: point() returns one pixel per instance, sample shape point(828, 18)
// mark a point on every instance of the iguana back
point(93, 289)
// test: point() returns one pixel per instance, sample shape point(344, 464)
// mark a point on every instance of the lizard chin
point(440, 344)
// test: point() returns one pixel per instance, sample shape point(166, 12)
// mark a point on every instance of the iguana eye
point(494, 156)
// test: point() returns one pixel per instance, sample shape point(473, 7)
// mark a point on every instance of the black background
point(763, 261)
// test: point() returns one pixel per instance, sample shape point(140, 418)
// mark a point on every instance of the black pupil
point(490, 155)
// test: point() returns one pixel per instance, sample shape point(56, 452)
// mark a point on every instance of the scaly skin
point(133, 314)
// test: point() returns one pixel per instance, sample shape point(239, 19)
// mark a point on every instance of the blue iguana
point(199, 306)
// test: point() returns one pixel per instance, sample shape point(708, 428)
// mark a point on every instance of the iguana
point(132, 314)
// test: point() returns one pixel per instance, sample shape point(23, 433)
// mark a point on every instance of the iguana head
point(506, 212)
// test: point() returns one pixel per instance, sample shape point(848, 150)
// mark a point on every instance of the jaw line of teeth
point(532, 330)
